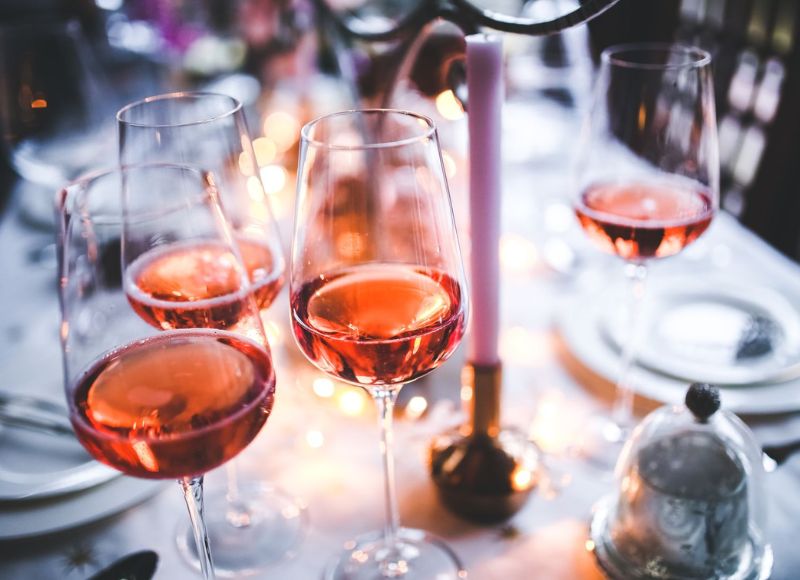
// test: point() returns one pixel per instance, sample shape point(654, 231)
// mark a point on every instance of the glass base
point(419, 556)
point(267, 528)
point(601, 442)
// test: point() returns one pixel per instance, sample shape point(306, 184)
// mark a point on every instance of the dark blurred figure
point(85, 11)
point(122, 72)
point(757, 77)
point(7, 178)
point(635, 21)
point(13, 11)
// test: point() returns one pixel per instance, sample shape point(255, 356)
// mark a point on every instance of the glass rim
point(696, 57)
point(426, 133)
point(236, 106)
point(81, 186)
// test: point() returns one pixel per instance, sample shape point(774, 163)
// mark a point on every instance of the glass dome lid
point(690, 500)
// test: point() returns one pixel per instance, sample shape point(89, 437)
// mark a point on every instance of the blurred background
point(287, 65)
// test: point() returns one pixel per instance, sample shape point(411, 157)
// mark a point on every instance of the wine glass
point(154, 403)
point(377, 289)
point(55, 108)
point(648, 179)
point(252, 523)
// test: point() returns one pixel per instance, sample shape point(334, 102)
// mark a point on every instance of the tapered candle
point(485, 94)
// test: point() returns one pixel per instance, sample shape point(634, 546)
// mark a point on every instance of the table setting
point(574, 366)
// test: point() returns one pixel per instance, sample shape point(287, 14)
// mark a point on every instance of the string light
point(416, 407)
point(265, 150)
point(282, 128)
point(351, 402)
point(449, 106)
point(521, 478)
point(450, 165)
point(246, 164)
point(518, 254)
point(323, 387)
point(525, 347)
point(315, 439)
point(556, 424)
point(254, 189)
point(274, 178)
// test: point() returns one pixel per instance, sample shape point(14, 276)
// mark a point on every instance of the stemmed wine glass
point(648, 179)
point(378, 294)
point(252, 524)
point(159, 404)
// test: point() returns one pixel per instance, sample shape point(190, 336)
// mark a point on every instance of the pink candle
point(485, 102)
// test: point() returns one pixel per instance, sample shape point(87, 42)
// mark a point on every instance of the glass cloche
point(690, 502)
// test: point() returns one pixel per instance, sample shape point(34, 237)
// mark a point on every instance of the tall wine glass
point(159, 404)
point(251, 522)
point(648, 178)
point(378, 294)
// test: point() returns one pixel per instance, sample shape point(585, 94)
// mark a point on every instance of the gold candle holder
point(484, 472)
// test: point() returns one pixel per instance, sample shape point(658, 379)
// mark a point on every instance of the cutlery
point(39, 415)
point(136, 566)
point(34, 414)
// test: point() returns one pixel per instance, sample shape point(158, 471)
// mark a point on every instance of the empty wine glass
point(648, 180)
point(56, 110)
point(252, 523)
point(378, 294)
point(154, 403)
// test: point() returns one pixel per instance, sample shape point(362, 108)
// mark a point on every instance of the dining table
point(320, 443)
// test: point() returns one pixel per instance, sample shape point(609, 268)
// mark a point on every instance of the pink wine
point(378, 324)
point(198, 285)
point(265, 272)
point(638, 220)
point(175, 405)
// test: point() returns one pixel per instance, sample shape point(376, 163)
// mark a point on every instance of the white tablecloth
point(340, 480)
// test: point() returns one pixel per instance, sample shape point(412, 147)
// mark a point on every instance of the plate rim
point(78, 509)
point(575, 322)
point(39, 478)
point(762, 298)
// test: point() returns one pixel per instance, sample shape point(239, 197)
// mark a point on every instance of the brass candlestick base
point(482, 472)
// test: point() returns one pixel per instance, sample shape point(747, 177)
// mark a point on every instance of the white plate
point(715, 330)
point(578, 323)
point(28, 519)
point(37, 466)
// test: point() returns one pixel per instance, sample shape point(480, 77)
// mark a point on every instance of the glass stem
point(385, 399)
point(237, 512)
point(622, 413)
point(232, 481)
point(193, 495)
